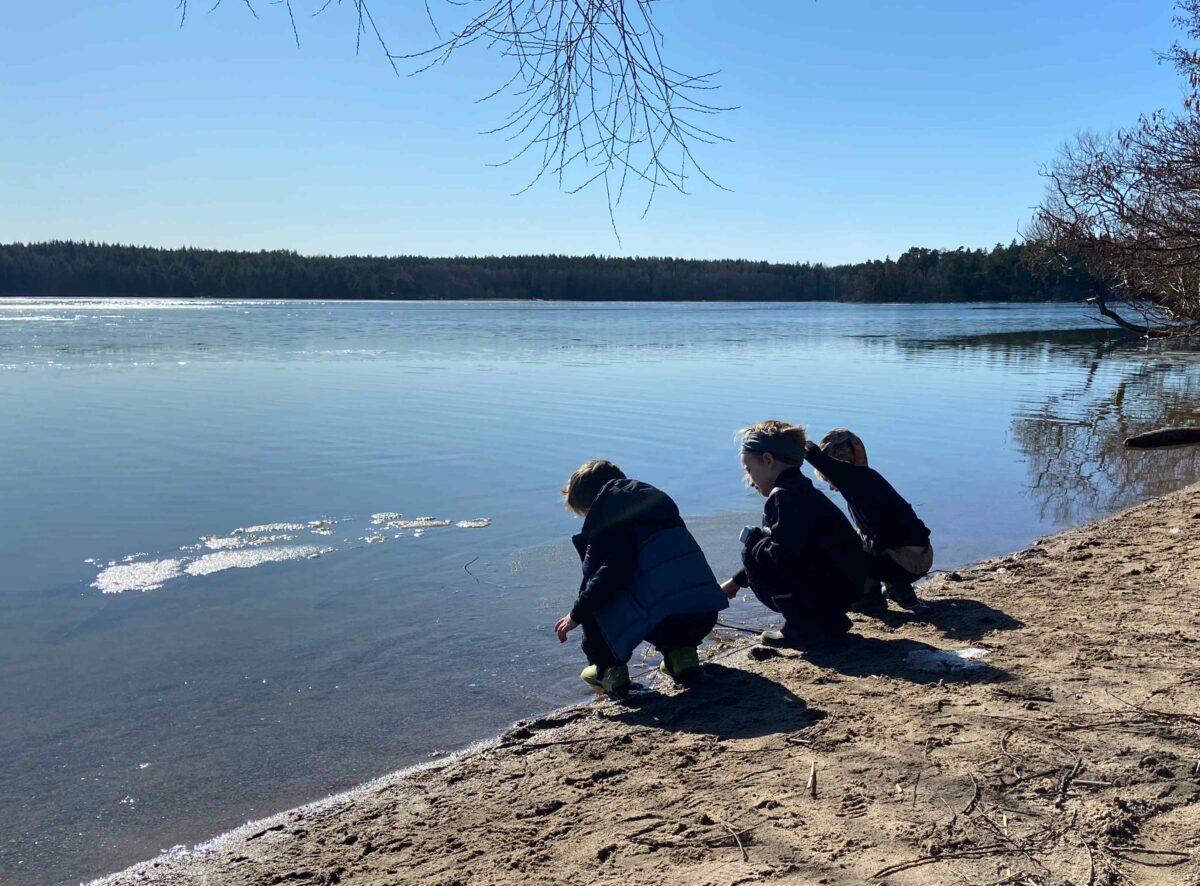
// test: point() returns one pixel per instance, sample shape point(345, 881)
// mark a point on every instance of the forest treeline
point(66, 269)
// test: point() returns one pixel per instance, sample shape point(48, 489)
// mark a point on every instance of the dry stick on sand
point(980, 852)
point(736, 837)
point(812, 780)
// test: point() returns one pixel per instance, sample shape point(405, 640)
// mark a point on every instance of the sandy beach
point(1066, 751)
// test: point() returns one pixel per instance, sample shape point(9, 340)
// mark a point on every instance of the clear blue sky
point(865, 127)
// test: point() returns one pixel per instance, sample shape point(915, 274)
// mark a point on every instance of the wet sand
point(1070, 754)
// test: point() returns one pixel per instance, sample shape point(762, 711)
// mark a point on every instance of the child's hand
point(565, 625)
point(730, 588)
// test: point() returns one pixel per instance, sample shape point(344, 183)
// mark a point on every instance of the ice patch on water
point(940, 660)
point(418, 523)
point(218, 543)
point(233, 542)
point(322, 527)
point(481, 523)
point(245, 558)
point(148, 576)
point(268, 528)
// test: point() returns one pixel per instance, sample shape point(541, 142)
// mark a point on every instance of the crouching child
point(805, 561)
point(644, 578)
point(895, 541)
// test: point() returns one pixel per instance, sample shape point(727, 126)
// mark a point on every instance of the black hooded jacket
point(882, 515)
point(624, 514)
point(808, 550)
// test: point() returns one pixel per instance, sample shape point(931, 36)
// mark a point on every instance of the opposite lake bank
point(1066, 752)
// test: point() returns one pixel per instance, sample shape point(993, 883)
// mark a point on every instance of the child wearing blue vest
point(644, 578)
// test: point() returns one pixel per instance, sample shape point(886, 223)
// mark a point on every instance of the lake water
point(164, 677)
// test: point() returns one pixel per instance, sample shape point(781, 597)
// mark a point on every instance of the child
point(895, 540)
point(806, 562)
point(644, 578)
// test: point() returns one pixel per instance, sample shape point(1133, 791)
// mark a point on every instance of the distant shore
point(1066, 753)
point(64, 269)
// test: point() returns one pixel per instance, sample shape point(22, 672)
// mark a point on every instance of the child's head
point(583, 487)
point(844, 445)
point(768, 449)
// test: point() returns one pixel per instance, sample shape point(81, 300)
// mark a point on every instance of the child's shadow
point(957, 618)
point(727, 703)
point(912, 660)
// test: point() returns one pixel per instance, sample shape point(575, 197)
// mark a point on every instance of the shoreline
point(915, 769)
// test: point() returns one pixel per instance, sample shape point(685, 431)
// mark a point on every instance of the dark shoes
point(871, 603)
point(807, 637)
point(902, 595)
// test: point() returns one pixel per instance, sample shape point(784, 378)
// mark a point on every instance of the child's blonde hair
point(784, 441)
point(583, 487)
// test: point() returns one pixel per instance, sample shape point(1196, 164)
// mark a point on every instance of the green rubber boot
point(612, 681)
point(681, 664)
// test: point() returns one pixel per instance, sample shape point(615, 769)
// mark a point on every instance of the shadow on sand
point(725, 702)
point(957, 618)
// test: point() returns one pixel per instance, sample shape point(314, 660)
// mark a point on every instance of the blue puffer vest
point(669, 574)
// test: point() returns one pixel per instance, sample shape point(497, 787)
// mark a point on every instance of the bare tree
point(1125, 210)
point(595, 101)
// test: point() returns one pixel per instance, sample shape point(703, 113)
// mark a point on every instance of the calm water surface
point(229, 675)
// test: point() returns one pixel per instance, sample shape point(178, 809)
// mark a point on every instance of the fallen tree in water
point(1163, 437)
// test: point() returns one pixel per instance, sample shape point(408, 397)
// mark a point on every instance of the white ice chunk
point(267, 528)
point(939, 660)
point(246, 558)
point(147, 576)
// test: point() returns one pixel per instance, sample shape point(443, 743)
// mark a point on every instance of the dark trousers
point(816, 602)
point(881, 567)
point(673, 632)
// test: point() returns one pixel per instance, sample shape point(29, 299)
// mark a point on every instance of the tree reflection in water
point(1073, 442)
point(1078, 465)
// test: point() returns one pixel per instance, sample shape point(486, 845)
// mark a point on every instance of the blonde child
point(805, 561)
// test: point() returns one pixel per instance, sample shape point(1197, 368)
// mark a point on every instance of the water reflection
point(1078, 465)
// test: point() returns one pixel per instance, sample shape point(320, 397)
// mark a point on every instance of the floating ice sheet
point(268, 528)
point(417, 523)
point(250, 546)
point(244, 558)
point(945, 660)
point(147, 576)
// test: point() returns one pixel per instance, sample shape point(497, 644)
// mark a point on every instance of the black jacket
point(808, 548)
point(624, 514)
point(883, 517)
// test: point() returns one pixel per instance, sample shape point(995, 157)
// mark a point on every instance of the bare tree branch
point(595, 100)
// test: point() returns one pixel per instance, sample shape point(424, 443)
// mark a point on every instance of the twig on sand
point(729, 627)
point(980, 852)
point(1154, 712)
point(1003, 834)
point(1091, 863)
point(1066, 782)
point(974, 797)
point(1175, 856)
point(736, 837)
point(812, 780)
